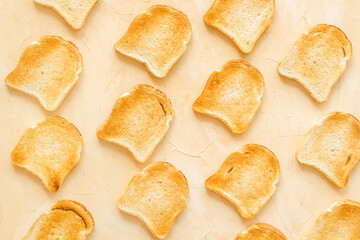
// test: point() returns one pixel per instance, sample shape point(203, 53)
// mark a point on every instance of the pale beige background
point(195, 144)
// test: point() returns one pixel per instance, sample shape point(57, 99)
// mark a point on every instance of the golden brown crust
point(232, 95)
point(157, 195)
point(340, 222)
point(62, 11)
point(305, 41)
point(138, 121)
point(247, 179)
point(146, 42)
point(49, 151)
point(335, 161)
point(261, 231)
point(41, 74)
point(67, 220)
point(228, 16)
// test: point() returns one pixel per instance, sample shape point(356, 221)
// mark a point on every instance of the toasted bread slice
point(157, 38)
point(157, 195)
point(67, 220)
point(50, 150)
point(232, 95)
point(48, 70)
point(332, 147)
point(261, 231)
point(138, 121)
point(243, 21)
point(317, 60)
point(247, 179)
point(340, 222)
point(73, 11)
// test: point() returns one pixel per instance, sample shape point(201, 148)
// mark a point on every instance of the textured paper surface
point(195, 144)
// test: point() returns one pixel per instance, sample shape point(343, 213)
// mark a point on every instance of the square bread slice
point(332, 147)
point(73, 11)
point(340, 222)
point(47, 70)
point(261, 231)
point(157, 195)
point(232, 95)
point(243, 21)
point(317, 60)
point(138, 121)
point(67, 220)
point(49, 151)
point(157, 38)
point(247, 179)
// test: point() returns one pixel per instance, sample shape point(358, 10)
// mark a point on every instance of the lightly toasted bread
point(138, 121)
point(47, 70)
point(157, 195)
point(232, 95)
point(317, 60)
point(261, 231)
point(332, 147)
point(73, 11)
point(67, 220)
point(340, 222)
point(243, 21)
point(157, 38)
point(50, 151)
point(247, 179)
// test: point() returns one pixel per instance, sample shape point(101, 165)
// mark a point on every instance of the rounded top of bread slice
point(261, 231)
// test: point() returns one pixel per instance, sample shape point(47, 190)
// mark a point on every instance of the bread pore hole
point(348, 160)
point(229, 170)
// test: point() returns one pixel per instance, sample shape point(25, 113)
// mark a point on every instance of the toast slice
point(340, 222)
point(138, 121)
point(47, 70)
point(232, 95)
point(67, 220)
point(247, 179)
point(49, 151)
point(157, 195)
point(157, 38)
point(261, 231)
point(73, 11)
point(332, 147)
point(243, 21)
point(317, 60)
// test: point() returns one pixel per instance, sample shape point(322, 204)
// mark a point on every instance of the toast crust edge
point(54, 183)
point(298, 80)
point(171, 115)
point(75, 27)
point(215, 115)
point(145, 62)
point(67, 90)
point(340, 183)
point(232, 201)
point(263, 226)
point(139, 215)
point(207, 21)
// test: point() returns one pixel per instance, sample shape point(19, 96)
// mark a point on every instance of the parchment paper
point(195, 144)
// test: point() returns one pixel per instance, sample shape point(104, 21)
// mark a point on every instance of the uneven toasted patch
point(242, 21)
point(48, 70)
point(261, 231)
point(73, 11)
point(67, 220)
point(332, 147)
point(50, 150)
point(247, 179)
point(317, 60)
point(157, 195)
point(138, 121)
point(157, 38)
point(232, 95)
point(340, 222)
